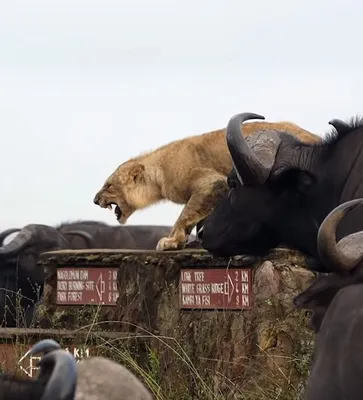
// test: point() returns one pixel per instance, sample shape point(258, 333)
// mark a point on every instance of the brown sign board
point(11, 359)
point(215, 289)
point(87, 285)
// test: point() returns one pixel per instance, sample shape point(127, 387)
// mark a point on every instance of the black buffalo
point(281, 189)
point(337, 305)
point(21, 280)
point(56, 380)
point(109, 380)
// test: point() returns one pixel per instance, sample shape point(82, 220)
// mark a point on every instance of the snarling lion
point(191, 171)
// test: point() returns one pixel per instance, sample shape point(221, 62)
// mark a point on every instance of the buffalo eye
point(231, 182)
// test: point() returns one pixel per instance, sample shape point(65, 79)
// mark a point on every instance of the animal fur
point(101, 378)
point(191, 171)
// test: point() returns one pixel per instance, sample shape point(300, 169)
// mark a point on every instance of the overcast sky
point(85, 85)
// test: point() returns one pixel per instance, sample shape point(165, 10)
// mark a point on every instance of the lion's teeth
point(109, 207)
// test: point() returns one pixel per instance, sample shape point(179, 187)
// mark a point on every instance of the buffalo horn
point(330, 254)
point(57, 368)
point(6, 233)
point(85, 235)
point(199, 229)
point(248, 168)
point(339, 125)
point(43, 346)
point(23, 238)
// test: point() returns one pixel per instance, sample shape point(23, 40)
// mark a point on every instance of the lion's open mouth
point(117, 210)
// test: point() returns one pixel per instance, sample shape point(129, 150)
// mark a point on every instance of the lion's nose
point(96, 200)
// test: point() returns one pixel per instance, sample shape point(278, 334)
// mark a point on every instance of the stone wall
point(260, 352)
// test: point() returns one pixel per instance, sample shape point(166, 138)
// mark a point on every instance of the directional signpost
point(87, 285)
point(215, 289)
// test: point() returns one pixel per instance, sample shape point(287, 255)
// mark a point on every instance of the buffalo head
point(21, 279)
point(264, 186)
point(344, 257)
point(58, 370)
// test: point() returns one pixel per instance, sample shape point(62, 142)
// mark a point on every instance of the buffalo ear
point(293, 178)
point(320, 293)
point(305, 300)
point(136, 173)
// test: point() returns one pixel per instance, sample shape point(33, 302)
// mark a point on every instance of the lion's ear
point(136, 173)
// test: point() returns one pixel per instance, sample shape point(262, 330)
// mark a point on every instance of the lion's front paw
point(167, 243)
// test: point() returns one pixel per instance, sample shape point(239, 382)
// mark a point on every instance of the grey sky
point(85, 85)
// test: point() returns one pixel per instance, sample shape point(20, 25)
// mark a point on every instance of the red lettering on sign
point(216, 289)
point(87, 285)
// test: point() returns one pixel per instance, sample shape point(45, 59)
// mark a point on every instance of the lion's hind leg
point(207, 188)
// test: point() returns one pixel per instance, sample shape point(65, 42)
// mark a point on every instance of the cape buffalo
point(94, 377)
point(57, 380)
point(281, 189)
point(21, 280)
point(336, 301)
point(61, 378)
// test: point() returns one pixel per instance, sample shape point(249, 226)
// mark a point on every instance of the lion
point(191, 171)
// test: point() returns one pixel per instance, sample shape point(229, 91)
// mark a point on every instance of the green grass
point(169, 369)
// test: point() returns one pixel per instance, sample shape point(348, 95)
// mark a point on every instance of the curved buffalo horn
point(43, 346)
point(57, 369)
point(248, 168)
point(85, 235)
point(23, 238)
point(6, 233)
point(339, 125)
point(48, 235)
point(330, 254)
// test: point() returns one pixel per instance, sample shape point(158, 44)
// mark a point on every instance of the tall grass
point(179, 378)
